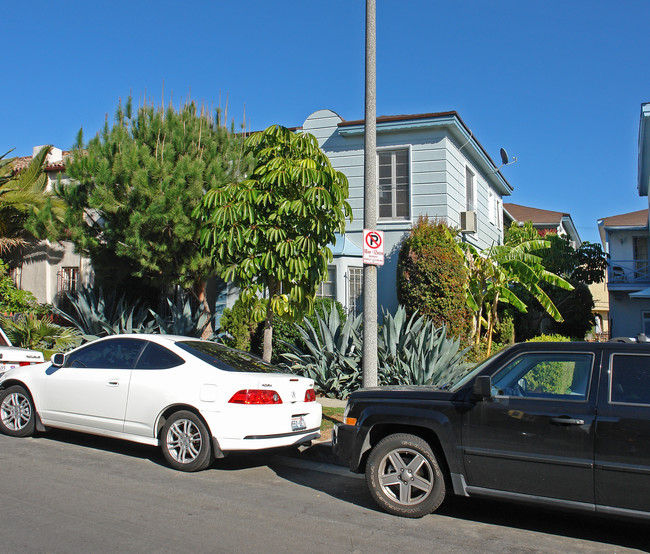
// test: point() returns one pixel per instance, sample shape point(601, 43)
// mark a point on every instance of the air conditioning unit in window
point(468, 222)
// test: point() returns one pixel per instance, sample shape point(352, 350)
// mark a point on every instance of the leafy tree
point(432, 278)
point(580, 267)
point(493, 271)
point(270, 232)
point(25, 203)
point(136, 184)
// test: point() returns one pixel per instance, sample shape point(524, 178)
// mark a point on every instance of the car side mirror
point(482, 387)
point(57, 359)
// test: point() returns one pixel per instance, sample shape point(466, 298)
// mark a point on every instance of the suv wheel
point(404, 477)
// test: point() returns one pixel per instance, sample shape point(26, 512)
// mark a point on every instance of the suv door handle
point(567, 421)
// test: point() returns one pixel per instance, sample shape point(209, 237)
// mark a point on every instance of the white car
point(195, 399)
point(12, 356)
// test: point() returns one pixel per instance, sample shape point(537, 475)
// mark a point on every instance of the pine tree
point(135, 186)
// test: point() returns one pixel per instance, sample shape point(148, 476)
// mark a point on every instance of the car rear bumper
point(261, 442)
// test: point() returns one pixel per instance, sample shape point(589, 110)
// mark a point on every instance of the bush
point(238, 327)
point(30, 331)
point(431, 277)
point(16, 301)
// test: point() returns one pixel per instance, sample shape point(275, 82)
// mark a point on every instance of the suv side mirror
point(57, 359)
point(482, 387)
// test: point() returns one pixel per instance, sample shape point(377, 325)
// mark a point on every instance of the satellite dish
point(504, 156)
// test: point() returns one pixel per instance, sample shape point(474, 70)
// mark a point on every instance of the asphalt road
point(65, 492)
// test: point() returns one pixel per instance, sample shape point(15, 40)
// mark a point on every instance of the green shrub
point(16, 301)
point(550, 338)
point(30, 331)
point(431, 276)
point(238, 327)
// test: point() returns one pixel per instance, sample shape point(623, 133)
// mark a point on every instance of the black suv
point(558, 424)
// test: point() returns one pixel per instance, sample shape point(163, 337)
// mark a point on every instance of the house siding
point(437, 186)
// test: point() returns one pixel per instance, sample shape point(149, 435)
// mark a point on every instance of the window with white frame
point(394, 184)
point(327, 288)
point(470, 192)
point(499, 214)
point(68, 279)
point(355, 291)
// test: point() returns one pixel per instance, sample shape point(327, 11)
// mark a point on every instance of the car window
point(110, 354)
point(156, 356)
point(546, 375)
point(630, 379)
point(226, 358)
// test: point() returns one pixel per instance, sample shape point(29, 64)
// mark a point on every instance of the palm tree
point(23, 195)
point(492, 272)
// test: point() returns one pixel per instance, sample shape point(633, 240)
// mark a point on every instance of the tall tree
point(135, 186)
point(493, 271)
point(271, 231)
point(25, 203)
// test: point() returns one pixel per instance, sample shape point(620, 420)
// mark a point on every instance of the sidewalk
point(331, 402)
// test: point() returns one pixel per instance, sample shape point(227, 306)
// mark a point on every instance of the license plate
point(298, 423)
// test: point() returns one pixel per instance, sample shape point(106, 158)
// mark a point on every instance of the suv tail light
point(255, 396)
point(310, 395)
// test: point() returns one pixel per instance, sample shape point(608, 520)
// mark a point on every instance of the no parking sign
point(373, 247)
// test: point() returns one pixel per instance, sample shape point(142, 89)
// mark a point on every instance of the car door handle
point(114, 383)
point(567, 421)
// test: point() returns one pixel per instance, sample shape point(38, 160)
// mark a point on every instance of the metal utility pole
point(370, 202)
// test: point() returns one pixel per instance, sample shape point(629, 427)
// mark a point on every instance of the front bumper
point(347, 444)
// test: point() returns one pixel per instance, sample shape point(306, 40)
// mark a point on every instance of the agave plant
point(182, 320)
point(331, 356)
point(29, 331)
point(412, 351)
point(96, 314)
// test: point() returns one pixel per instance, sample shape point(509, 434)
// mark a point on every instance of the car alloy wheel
point(16, 412)
point(186, 442)
point(404, 476)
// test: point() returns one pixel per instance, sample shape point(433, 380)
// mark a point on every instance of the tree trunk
point(492, 318)
point(199, 290)
point(274, 289)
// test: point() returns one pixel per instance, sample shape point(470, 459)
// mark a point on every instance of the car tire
point(17, 416)
point(185, 442)
point(404, 477)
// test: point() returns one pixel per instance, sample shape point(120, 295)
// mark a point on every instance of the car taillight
point(24, 363)
point(310, 395)
point(255, 396)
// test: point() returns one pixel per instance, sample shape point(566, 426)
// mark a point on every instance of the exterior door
point(623, 435)
point(535, 436)
point(92, 388)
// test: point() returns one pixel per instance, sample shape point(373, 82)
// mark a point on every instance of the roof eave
point(644, 150)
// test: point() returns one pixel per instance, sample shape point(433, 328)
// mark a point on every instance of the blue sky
point(559, 84)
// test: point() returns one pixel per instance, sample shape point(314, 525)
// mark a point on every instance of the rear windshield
point(226, 358)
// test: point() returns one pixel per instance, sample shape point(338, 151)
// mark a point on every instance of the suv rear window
point(630, 379)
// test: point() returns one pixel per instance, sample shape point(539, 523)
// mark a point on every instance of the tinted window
point(550, 375)
point(155, 356)
point(110, 354)
point(225, 358)
point(630, 379)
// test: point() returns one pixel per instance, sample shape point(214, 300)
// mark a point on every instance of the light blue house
point(427, 165)
point(626, 239)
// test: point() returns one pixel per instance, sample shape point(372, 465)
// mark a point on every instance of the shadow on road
point(608, 531)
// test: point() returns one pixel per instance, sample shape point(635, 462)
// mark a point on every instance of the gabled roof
point(538, 217)
point(543, 219)
point(633, 219)
point(629, 221)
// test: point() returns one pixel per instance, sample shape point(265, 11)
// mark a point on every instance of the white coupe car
point(197, 400)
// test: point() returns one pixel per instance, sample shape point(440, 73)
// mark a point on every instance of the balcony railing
point(621, 272)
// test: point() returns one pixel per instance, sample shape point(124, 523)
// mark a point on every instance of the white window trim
point(409, 149)
point(472, 208)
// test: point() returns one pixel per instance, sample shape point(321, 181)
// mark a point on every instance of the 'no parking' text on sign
point(373, 247)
